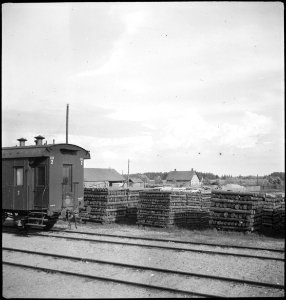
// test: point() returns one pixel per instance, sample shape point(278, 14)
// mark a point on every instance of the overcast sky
point(165, 84)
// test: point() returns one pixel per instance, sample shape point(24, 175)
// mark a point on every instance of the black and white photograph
point(143, 149)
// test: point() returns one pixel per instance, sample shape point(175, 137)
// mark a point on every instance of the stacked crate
point(273, 212)
point(161, 208)
point(104, 205)
point(236, 211)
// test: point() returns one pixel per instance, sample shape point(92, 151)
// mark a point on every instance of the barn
point(182, 178)
point(135, 181)
point(102, 177)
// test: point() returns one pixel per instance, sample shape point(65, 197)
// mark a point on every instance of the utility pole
point(67, 124)
point(257, 180)
point(128, 175)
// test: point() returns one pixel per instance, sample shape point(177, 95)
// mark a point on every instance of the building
point(158, 180)
point(144, 178)
point(100, 177)
point(135, 181)
point(183, 179)
point(233, 187)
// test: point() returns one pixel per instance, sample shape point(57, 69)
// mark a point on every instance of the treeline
point(163, 175)
point(207, 175)
point(281, 175)
point(211, 176)
point(154, 175)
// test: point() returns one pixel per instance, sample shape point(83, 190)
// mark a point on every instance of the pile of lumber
point(236, 211)
point(104, 205)
point(198, 204)
point(132, 204)
point(206, 200)
point(194, 201)
point(193, 214)
point(168, 208)
point(197, 219)
point(161, 208)
point(273, 212)
point(282, 213)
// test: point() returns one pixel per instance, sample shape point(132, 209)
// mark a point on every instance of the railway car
point(41, 182)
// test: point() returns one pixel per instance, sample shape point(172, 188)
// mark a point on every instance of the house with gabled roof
point(144, 178)
point(102, 177)
point(134, 181)
point(182, 178)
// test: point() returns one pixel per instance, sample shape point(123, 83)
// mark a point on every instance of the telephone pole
point(128, 175)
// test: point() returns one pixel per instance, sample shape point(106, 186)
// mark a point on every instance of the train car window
point(40, 176)
point(19, 171)
point(67, 177)
point(68, 151)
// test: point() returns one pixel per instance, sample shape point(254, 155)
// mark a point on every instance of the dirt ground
point(26, 283)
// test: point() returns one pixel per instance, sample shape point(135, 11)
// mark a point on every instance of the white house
point(183, 179)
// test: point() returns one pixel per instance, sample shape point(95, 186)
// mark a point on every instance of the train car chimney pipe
point(39, 140)
point(22, 142)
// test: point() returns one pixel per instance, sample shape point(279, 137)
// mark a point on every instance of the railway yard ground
point(128, 261)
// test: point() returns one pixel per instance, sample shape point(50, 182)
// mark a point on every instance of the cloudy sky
point(165, 84)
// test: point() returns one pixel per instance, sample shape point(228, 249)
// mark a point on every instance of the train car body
point(42, 181)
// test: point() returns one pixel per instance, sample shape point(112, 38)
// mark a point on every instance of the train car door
point(20, 185)
point(7, 184)
point(41, 190)
point(67, 187)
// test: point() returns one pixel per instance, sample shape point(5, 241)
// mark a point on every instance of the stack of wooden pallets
point(273, 212)
point(236, 211)
point(161, 208)
point(104, 205)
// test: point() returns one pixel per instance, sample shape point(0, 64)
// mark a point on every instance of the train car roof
point(41, 150)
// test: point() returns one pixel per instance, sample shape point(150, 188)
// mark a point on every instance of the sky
point(167, 85)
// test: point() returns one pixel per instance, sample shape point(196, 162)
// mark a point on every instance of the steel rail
point(143, 285)
point(220, 278)
point(162, 247)
point(174, 241)
point(159, 247)
point(168, 240)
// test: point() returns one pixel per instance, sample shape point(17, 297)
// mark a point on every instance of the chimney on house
point(39, 140)
point(22, 142)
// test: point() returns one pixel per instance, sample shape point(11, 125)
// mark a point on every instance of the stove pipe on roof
point(22, 141)
point(39, 140)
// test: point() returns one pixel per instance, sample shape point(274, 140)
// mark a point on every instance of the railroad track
point(133, 267)
point(66, 235)
point(172, 240)
point(188, 283)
